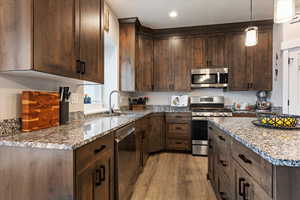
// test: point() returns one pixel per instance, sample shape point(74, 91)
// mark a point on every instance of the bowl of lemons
point(278, 121)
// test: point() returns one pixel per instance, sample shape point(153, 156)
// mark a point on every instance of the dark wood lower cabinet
point(178, 131)
point(157, 134)
point(237, 173)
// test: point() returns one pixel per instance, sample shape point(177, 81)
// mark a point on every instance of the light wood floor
point(174, 176)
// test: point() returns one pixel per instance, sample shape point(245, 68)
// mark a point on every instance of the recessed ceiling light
point(173, 14)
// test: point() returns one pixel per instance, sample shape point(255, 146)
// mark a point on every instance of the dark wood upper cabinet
point(199, 52)
point(91, 39)
point(16, 34)
point(260, 60)
point(181, 54)
point(163, 72)
point(236, 58)
point(215, 51)
point(144, 71)
point(136, 57)
point(53, 36)
point(172, 64)
point(208, 51)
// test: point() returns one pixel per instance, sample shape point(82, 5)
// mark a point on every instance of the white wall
point(11, 88)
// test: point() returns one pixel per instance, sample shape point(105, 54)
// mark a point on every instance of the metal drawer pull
point(223, 163)
point(245, 193)
point(241, 180)
point(96, 151)
point(97, 177)
point(102, 177)
point(223, 196)
point(178, 128)
point(178, 116)
point(221, 138)
point(245, 159)
point(178, 142)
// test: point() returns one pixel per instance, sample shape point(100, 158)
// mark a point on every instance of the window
point(97, 96)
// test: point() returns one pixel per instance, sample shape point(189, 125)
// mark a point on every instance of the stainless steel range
point(201, 108)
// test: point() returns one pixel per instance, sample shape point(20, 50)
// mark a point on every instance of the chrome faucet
point(110, 95)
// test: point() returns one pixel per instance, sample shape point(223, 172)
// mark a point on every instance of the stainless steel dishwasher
point(126, 162)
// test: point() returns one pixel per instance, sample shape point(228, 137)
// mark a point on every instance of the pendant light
point(284, 10)
point(252, 31)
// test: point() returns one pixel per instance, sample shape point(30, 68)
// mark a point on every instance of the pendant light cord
point(251, 7)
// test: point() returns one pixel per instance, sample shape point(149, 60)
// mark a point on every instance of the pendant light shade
point(251, 36)
point(284, 10)
point(252, 31)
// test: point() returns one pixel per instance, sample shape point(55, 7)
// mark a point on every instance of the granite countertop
point(279, 147)
point(72, 136)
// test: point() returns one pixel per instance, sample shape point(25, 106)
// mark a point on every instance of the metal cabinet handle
point(241, 180)
point(82, 67)
point(223, 163)
point(178, 128)
point(223, 195)
point(178, 142)
point(97, 178)
point(96, 151)
point(245, 193)
point(102, 169)
point(245, 159)
point(78, 66)
point(209, 143)
point(178, 116)
point(221, 138)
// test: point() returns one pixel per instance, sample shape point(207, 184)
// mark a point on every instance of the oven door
point(200, 137)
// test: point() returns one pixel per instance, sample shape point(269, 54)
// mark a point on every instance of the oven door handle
point(124, 135)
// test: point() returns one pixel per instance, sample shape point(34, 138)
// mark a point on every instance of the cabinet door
point(163, 72)
point(91, 41)
point(181, 55)
point(16, 35)
point(86, 184)
point(199, 53)
point(103, 179)
point(54, 37)
point(246, 187)
point(96, 181)
point(237, 62)
point(157, 134)
point(144, 68)
point(261, 56)
point(215, 49)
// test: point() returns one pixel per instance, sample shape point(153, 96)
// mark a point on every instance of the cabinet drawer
point(246, 187)
point(222, 141)
point(224, 162)
point(178, 117)
point(177, 144)
point(256, 166)
point(226, 187)
point(92, 151)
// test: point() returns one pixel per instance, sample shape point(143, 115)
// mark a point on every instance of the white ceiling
point(154, 13)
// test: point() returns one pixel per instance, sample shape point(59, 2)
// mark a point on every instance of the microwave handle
point(218, 77)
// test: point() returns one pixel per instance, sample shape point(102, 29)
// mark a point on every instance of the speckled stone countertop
point(72, 136)
point(279, 147)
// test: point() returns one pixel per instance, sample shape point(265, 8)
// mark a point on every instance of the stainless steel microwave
point(210, 78)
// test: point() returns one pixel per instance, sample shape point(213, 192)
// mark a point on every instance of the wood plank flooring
point(174, 176)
